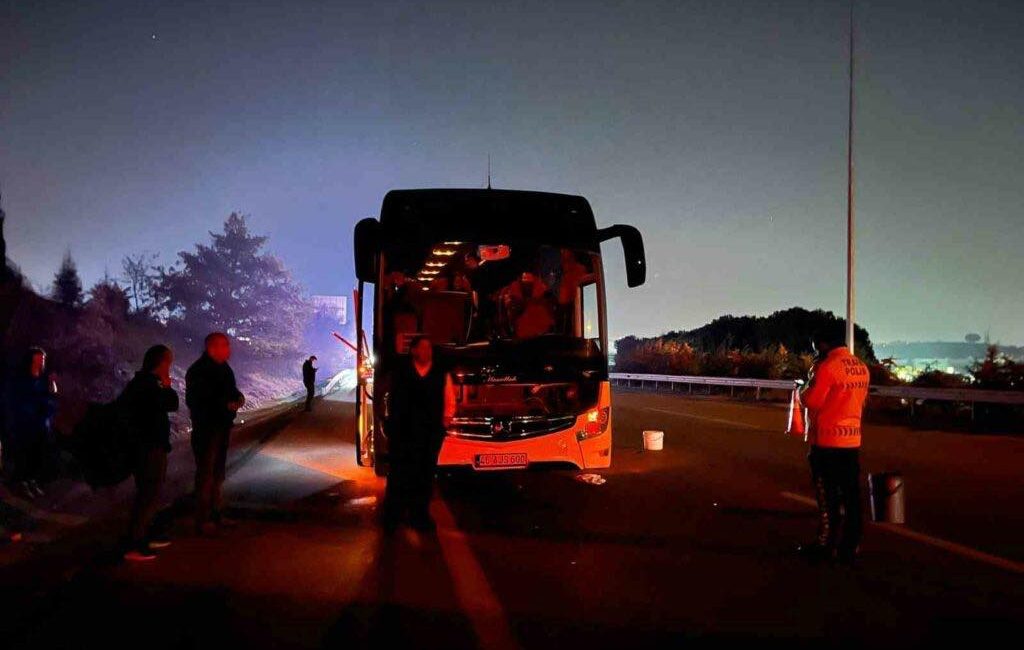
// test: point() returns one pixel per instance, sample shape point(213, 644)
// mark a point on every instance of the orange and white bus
point(509, 286)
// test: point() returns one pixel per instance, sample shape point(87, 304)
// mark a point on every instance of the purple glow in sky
point(717, 127)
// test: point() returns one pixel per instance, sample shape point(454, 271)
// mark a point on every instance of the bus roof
point(431, 215)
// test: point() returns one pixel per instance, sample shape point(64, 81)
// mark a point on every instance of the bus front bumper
point(559, 447)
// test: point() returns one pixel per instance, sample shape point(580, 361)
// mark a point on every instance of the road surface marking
point(800, 498)
point(472, 589)
point(952, 547)
point(32, 511)
point(742, 425)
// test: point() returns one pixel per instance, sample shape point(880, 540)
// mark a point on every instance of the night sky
point(718, 128)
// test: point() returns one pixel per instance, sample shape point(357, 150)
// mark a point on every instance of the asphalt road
point(690, 545)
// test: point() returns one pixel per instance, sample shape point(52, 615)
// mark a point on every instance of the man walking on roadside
point(213, 399)
point(835, 400)
point(309, 381)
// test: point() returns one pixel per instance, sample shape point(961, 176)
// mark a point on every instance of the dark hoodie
point(209, 388)
point(145, 404)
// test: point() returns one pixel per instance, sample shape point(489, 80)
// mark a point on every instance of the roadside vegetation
point(778, 347)
point(95, 338)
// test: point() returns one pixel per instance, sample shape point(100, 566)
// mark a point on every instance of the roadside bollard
point(887, 498)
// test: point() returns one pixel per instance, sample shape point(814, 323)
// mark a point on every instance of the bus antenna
point(488, 171)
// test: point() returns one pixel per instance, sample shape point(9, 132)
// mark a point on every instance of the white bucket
point(654, 440)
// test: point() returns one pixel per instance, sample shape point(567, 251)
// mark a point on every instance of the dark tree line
point(790, 329)
point(230, 284)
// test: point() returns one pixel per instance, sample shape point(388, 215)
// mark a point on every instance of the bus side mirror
point(366, 246)
point(632, 250)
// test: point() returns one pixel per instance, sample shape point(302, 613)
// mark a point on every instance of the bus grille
point(508, 428)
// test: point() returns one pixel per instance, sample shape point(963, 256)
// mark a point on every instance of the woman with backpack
point(144, 404)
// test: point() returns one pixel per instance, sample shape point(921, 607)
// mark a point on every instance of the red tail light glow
point(595, 422)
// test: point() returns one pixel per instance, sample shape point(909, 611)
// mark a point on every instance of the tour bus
point(509, 287)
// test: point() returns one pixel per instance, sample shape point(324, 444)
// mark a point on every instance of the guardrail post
point(757, 394)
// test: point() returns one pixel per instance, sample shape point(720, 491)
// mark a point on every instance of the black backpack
point(102, 445)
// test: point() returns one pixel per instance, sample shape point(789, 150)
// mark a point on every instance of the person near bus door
point(835, 398)
point(422, 403)
point(309, 380)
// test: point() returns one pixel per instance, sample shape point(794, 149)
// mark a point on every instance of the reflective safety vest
point(835, 400)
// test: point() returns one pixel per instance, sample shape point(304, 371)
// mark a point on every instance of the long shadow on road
point(406, 600)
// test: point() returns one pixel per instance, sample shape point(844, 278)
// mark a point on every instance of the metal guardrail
point(950, 394)
point(778, 384)
point(967, 395)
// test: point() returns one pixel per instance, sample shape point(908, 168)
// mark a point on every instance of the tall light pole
point(850, 244)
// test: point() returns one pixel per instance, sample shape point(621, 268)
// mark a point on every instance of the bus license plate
point(500, 461)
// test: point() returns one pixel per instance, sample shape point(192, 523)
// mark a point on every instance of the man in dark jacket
point(309, 381)
point(213, 400)
point(31, 402)
point(145, 403)
point(422, 403)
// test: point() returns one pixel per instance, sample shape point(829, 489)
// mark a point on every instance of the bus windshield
point(475, 293)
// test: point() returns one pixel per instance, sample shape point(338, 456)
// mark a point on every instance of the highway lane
point(966, 488)
point(693, 543)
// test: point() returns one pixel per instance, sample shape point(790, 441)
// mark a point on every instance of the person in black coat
point(422, 402)
point(144, 405)
point(213, 400)
point(30, 403)
point(309, 381)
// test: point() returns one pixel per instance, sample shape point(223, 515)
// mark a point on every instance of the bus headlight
point(595, 422)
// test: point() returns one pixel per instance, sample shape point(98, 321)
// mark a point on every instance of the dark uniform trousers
point(210, 447)
point(836, 476)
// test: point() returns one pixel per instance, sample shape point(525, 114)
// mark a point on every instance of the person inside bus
point(527, 306)
point(406, 324)
point(421, 405)
point(572, 275)
point(462, 279)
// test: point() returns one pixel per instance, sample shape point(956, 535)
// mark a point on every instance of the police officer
point(421, 406)
point(835, 398)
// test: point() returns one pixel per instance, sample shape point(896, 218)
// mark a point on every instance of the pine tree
point(67, 286)
point(109, 298)
point(234, 287)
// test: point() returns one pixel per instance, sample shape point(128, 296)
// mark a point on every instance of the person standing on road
point(31, 403)
point(309, 380)
point(835, 398)
point(213, 399)
point(421, 406)
point(145, 403)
